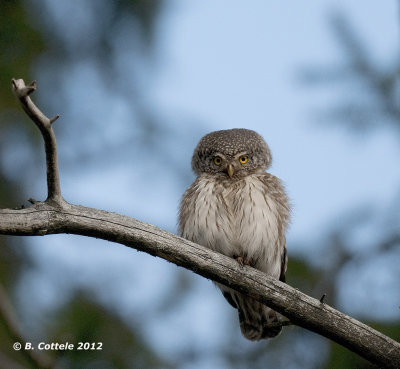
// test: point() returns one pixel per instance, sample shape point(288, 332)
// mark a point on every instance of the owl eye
point(217, 160)
point(243, 159)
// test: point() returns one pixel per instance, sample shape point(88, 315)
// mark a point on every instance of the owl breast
point(235, 218)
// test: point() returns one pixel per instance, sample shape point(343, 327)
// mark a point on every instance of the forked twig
point(22, 92)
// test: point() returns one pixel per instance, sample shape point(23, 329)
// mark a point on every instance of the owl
point(236, 208)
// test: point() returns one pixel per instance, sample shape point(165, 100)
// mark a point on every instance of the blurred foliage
point(84, 320)
point(377, 107)
point(374, 100)
point(20, 44)
point(343, 358)
point(29, 34)
point(302, 275)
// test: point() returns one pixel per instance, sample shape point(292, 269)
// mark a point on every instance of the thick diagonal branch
point(22, 92)
point(302, 310)
point(54, 217)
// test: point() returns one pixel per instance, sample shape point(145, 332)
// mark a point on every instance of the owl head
point(234, 153)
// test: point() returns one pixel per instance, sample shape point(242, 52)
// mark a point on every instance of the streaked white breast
point(238, 219)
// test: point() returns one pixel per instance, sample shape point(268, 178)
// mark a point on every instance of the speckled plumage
point(238, 209)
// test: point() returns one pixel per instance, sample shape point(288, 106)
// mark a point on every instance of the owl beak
point(230, 170)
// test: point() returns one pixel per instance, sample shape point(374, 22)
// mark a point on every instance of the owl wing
point(187, 207)
point(274, 188)
point(284, 261)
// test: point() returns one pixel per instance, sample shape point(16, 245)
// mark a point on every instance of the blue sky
point(240, 70)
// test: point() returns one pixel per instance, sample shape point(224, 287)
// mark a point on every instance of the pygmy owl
point(238, 209)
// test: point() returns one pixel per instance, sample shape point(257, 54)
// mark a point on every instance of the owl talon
point(239, 259)
point(242, 260)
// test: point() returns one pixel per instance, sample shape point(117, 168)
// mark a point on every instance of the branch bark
point(22, 92)
point(54, 217)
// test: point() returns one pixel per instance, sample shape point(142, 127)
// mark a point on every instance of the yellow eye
point(217, 160)
point(243, 159)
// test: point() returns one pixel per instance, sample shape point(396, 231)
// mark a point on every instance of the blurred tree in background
point(108, 49)
point(31, 34)
point(368, 101)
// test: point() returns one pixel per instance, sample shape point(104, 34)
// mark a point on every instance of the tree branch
point(305, 311)
point(22, 92)
point(36, 358)
point(61, 217)
point(7, 363)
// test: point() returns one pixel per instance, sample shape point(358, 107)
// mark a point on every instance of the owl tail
point(257, 321)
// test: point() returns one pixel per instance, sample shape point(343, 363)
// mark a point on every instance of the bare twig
point(36, 358)
point(22, 92)
point(55, 217)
